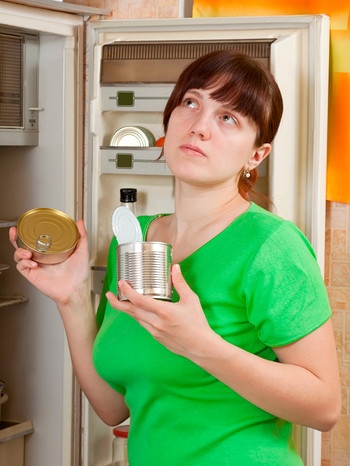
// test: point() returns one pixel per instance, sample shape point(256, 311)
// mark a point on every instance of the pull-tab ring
point(43, 243)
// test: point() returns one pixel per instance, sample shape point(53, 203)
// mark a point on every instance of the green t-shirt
point(260, 287)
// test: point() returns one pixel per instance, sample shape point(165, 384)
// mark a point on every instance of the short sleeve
point(284, 289)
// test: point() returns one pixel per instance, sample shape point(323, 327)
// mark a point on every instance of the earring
point(246, 174)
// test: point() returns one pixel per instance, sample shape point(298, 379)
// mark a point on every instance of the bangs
point(233, 95)
point(238, 82)
point(239, 86)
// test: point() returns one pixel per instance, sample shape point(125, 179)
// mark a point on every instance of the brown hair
point(243, 84)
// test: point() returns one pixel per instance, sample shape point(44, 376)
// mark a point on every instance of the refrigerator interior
point(34, 357)
point(294, 177)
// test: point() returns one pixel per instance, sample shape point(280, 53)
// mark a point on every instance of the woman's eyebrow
point(193, 91)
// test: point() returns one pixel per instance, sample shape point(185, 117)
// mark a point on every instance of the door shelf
point(133, 161)
point(135, 98)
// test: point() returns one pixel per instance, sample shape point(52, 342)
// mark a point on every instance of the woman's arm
point(303, 387)
point(67, 284)
point(81, 331)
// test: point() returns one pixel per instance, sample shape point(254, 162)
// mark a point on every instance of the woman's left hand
point(302, 387)
point(175, 325)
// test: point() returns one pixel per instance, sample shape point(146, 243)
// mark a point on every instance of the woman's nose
point(200, 127)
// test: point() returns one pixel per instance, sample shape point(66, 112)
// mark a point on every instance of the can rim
point(161, 243)
point(66, 234)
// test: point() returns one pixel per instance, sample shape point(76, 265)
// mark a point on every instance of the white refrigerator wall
point(299, 61)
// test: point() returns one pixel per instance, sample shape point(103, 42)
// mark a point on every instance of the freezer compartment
point(162, 62)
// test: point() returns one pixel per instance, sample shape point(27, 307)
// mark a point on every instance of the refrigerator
point(132, 66)
point(34, 357)
point(129, 69)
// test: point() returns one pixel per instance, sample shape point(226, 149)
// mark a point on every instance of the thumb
point(180, 283)
point(81, 228)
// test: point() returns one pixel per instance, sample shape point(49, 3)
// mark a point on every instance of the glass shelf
point(6, 301)
point(7, 223)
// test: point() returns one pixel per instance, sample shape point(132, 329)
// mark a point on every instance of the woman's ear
point(260, 154)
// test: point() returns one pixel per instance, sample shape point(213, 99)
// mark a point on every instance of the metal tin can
point(51, 235)
point(146, 265)
point(132, 136)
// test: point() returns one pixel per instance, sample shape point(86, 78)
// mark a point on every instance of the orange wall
point(339, 102)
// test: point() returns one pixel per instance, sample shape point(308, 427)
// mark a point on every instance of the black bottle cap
point(128, 195)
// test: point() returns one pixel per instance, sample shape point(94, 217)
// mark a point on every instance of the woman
point(246, 348)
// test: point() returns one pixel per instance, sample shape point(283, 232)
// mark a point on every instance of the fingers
point(133, 296)
point(81, 228)
point(140, 307)
point(150, 313)
point(125, 306)
point(24, 265)
point(148, 303)
point(180, 284)
point(22, 258)
point(13, 236)
point(20, 253)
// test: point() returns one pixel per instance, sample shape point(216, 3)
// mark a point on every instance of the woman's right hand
point(59, 282)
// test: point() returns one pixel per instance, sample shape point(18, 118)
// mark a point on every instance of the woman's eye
point(189, 103)
point(229, 119)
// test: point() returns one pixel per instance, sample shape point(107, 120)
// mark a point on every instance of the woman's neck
point(197, 205)
point(200, 214)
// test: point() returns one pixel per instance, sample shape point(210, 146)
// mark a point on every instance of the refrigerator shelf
point(6, 301)
point(7, 223)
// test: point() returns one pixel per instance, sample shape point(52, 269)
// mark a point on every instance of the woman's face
point(209, 143)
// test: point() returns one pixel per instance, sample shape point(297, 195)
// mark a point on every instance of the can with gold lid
point(51, 235)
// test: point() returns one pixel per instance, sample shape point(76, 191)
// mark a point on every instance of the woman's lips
point(192, 150)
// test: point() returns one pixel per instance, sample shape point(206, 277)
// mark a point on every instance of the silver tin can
point(146, 265)
point(132, 136)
